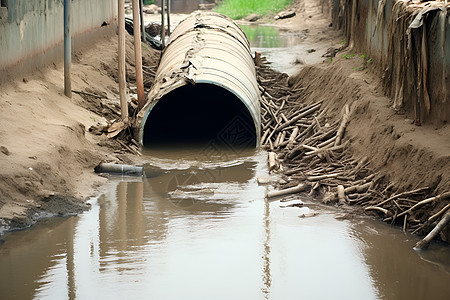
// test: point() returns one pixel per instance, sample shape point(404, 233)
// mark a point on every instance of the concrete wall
point(412, 70)
point(32, 31)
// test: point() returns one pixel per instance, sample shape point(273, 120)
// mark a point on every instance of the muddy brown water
point(199, 227)
point(202, 229)
point(281, 48)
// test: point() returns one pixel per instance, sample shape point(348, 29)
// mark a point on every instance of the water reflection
point(270, 41)
point(269, 37)
point(398, 271)
point(202, 230)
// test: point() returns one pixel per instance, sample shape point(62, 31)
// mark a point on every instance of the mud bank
point(406, 156)
point(47, 152)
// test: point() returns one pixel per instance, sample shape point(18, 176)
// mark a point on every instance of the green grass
point(237, 9)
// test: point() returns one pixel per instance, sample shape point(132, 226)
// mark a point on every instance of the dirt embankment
point(403, 157)
point(47, 154)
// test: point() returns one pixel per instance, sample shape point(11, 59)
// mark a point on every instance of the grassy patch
point(237, 9)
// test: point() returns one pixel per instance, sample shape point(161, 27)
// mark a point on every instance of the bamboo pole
point(292, 190)
point(121, 54)
point(137, 52)
point(67, 50)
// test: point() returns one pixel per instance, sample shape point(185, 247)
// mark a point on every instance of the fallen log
point(292, 190)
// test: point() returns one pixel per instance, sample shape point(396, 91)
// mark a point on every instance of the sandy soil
point(47, 154)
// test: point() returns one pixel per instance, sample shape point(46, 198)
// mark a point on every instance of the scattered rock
point(285, 14)
point(151, 9)
point(311, 50)
point(252, 18)
point(153, 29)
point(263, 180)
point(5, 150)
point(299, 61)
point(309, 215)
point(206, 6)
point(99, 128)
point(331, 52)
point(293, 203)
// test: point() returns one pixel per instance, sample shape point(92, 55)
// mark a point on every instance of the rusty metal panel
point(210, 48)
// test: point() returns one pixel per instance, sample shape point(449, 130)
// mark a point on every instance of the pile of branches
point(305, 146)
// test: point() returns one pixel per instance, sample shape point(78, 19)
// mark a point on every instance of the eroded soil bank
point(48, 154)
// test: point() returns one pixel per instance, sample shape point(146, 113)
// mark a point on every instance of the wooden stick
point(343, 125)
point(296, 189)
point(326, 176)
point(423, 244)
point(137, 53)
point(272, 160)
point(341, 194)
point(293, 135)
point(310, 110)
point(439, 213)
point(384, 211)
point(426, 201)
point(417, 191)
point(326, 143)
point(121, 53)
point(317, 151)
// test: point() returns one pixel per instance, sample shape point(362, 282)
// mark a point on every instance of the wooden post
point(67, 50)
point(137, 52)
point(163, 29)
point(121, 50)
point(141, 13)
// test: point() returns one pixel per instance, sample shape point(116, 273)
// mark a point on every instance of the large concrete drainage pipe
point(205, 90)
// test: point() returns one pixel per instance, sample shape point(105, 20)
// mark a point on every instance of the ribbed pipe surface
point(205, 89)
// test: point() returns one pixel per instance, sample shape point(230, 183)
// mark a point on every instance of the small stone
point(253, 18)
point(5, 150)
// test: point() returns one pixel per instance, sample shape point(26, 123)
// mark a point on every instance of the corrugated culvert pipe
point(205, 90)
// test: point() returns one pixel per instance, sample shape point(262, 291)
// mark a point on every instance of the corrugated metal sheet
point(207, 48)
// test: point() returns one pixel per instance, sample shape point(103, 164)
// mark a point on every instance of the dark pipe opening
point(200, 115)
